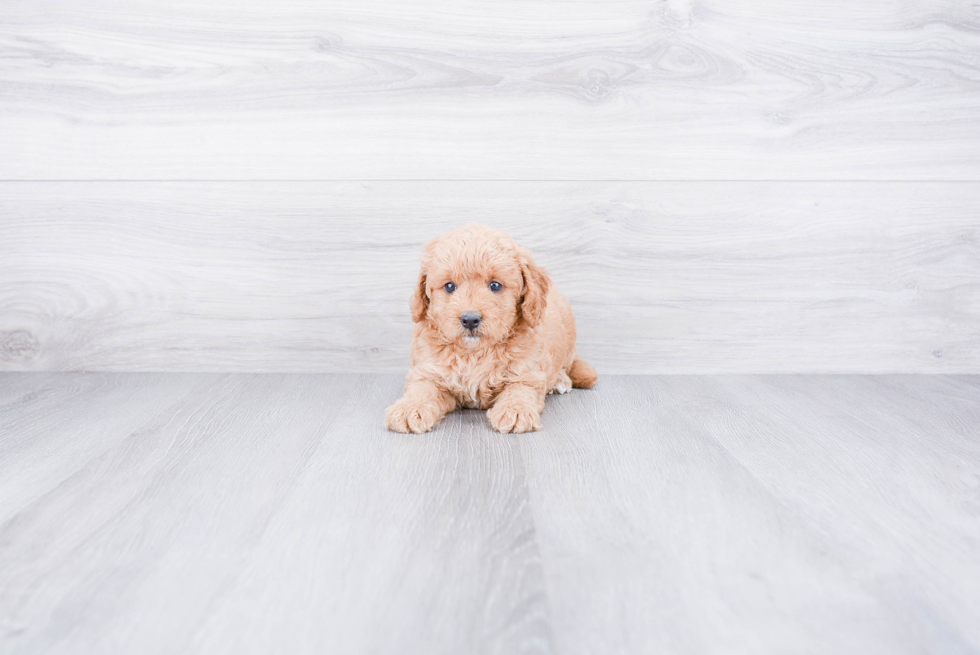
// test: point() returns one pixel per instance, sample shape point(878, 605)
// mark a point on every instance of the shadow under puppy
point(493, 333)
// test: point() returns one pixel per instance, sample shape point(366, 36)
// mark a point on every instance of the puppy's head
point(476, 285)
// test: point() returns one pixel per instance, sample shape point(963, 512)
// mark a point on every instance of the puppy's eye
point(449, 287)
point(496, 286)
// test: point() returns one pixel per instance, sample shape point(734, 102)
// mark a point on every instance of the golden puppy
point(493, 333)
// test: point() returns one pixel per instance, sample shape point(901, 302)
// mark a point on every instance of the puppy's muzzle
point(470, 320)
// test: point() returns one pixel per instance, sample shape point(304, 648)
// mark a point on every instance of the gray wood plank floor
point(233, 513)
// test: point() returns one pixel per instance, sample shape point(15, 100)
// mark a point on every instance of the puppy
point(493, 333)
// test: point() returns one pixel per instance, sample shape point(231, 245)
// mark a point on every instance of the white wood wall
point(215, 185)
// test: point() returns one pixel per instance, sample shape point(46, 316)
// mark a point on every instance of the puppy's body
point(522, 348)
point(540, 357)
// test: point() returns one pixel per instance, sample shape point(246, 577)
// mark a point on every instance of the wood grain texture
point(203, 513)
point(355, 89)
point(258, 511)
point(811, 514)
point(664, 277)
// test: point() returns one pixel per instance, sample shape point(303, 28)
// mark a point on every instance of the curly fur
point(523, 349)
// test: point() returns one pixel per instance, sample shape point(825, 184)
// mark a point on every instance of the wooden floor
point(233, 513)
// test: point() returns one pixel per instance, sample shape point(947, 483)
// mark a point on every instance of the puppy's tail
point(582, 374)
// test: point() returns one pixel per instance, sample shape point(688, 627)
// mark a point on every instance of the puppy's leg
point(517, 409)
point(423, 405)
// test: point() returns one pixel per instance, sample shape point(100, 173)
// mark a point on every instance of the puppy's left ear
point(536, 285)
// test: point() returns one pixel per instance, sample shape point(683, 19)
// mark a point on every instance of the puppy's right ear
point(420, 301)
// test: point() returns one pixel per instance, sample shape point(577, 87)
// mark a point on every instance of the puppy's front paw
point(514, 417)
point(411, 416)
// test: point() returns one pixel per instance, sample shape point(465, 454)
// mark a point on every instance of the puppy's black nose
point(470, 320)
